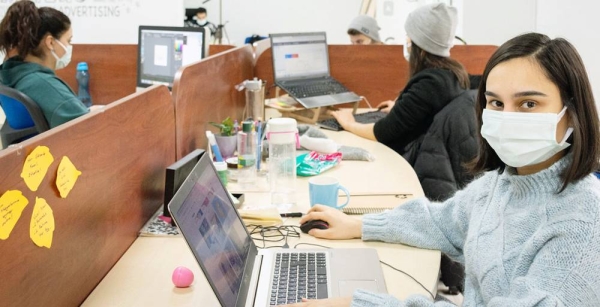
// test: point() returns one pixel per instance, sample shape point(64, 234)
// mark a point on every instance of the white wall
point(247, 17)
point(578, 22)
point(492, 22)
point(112, 21)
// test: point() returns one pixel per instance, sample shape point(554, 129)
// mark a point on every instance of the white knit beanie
point(432, 27)
point(366, 25)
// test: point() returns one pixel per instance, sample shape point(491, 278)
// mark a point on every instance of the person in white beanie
point(364, 30)
point(435, 80)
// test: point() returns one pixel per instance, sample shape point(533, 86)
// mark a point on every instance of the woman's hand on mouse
point(341, 226)
point(386, 106)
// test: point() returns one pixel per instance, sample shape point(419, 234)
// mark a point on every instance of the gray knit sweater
point(522, 244)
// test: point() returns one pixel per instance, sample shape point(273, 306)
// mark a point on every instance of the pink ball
point(182, 277)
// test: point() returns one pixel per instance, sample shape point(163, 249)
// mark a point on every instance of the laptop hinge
point(256, 271)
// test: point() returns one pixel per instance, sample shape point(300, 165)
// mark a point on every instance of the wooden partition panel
point(122, 153)
point(205, 92)
point(113, 70)
point(377, 72)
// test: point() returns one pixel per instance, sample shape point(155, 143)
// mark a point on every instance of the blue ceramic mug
point(324, 191)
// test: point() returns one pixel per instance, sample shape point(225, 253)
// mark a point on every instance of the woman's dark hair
point(24, 26)
point(353, 32)
point(421, 59)
point(563, 66)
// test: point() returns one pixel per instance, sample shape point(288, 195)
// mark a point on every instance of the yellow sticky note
point(12, 204)
point(66, 176)
point(36, 166)
point(41, 228)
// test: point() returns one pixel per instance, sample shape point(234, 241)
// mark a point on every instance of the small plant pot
point(227, 145)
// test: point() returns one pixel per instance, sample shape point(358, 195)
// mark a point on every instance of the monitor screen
point(163, 50)
point(299, 55)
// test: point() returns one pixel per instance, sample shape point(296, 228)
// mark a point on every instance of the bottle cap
point(253, 85)
point(246, 126)
point(82, 66)
point(282, 130)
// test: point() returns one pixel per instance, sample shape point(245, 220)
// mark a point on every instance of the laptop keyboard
point(297, 276)
point(363, 118)
point(316, 89)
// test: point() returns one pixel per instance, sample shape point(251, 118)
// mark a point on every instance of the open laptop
point(301, 68)
point(242, 275)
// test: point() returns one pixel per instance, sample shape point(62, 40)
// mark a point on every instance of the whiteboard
point(112, 21)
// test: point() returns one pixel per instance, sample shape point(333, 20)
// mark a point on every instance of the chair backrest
point(21, 111)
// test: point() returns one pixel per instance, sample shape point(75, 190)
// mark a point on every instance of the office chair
point(24, 118)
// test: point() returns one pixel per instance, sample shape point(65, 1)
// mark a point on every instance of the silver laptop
point(242, 275)
point(301, 68)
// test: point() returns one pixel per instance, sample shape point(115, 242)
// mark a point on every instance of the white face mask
point(66, 58)
point(521, 139)
point(406, 50)
point(202, 21)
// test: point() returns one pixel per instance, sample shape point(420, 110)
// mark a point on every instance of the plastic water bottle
point(83, 80)
point(282, 134)
point(246, 148)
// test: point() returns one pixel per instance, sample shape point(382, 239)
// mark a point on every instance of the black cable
point(273, 234)
point(384, 263)
point(420, 284)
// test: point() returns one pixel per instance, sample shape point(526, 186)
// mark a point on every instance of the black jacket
point(433, 126)
point(439, 155)
point(426, 93)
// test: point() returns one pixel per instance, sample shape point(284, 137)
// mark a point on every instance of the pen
point(258, 145)
point(292, 214)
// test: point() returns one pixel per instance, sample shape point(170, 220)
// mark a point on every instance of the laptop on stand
point(242, 275)
point(301, 68)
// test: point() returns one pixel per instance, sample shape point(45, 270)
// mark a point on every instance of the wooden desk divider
point(122, 152)
point(204, 92)
point(113, 69)
point(377, 72)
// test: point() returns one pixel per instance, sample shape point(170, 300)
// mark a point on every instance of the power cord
point(384, 263)
point(273, 234)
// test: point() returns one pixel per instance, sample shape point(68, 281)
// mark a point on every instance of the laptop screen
point(214, 232)
point(301, 55)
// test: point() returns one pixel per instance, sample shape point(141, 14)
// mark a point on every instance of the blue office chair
point(24, 118)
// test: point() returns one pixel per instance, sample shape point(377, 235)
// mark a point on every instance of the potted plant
point(226, 139)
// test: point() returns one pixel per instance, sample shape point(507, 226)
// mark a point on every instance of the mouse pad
point(347, 287)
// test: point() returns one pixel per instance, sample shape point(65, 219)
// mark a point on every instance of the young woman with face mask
point(38, 42)
point(528, 230)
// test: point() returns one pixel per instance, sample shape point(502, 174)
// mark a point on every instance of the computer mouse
point(306, 227)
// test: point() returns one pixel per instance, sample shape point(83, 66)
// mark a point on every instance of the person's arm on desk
point(346, 119)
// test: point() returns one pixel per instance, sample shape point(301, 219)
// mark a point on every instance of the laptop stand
point(301, 114)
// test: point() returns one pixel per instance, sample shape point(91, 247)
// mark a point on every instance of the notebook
point(301, 68)
point(242, 275)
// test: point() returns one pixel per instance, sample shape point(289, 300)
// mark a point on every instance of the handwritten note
point(12, 204)
point(66, 176)
point(41, 228)
point(36, 166)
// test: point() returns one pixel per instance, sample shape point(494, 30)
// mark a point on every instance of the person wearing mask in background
point(528, 229)
point(435, 146)
point(363, 30)
point(435, 79)
point(200, 20)
point(39, 42)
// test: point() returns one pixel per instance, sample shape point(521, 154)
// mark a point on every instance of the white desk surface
point(142, 277)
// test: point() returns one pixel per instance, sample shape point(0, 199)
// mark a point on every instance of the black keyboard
point(297, 276)
point(363, 118)
point(328, 87)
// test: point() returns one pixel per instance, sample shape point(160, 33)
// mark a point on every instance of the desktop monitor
point(163, 50)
